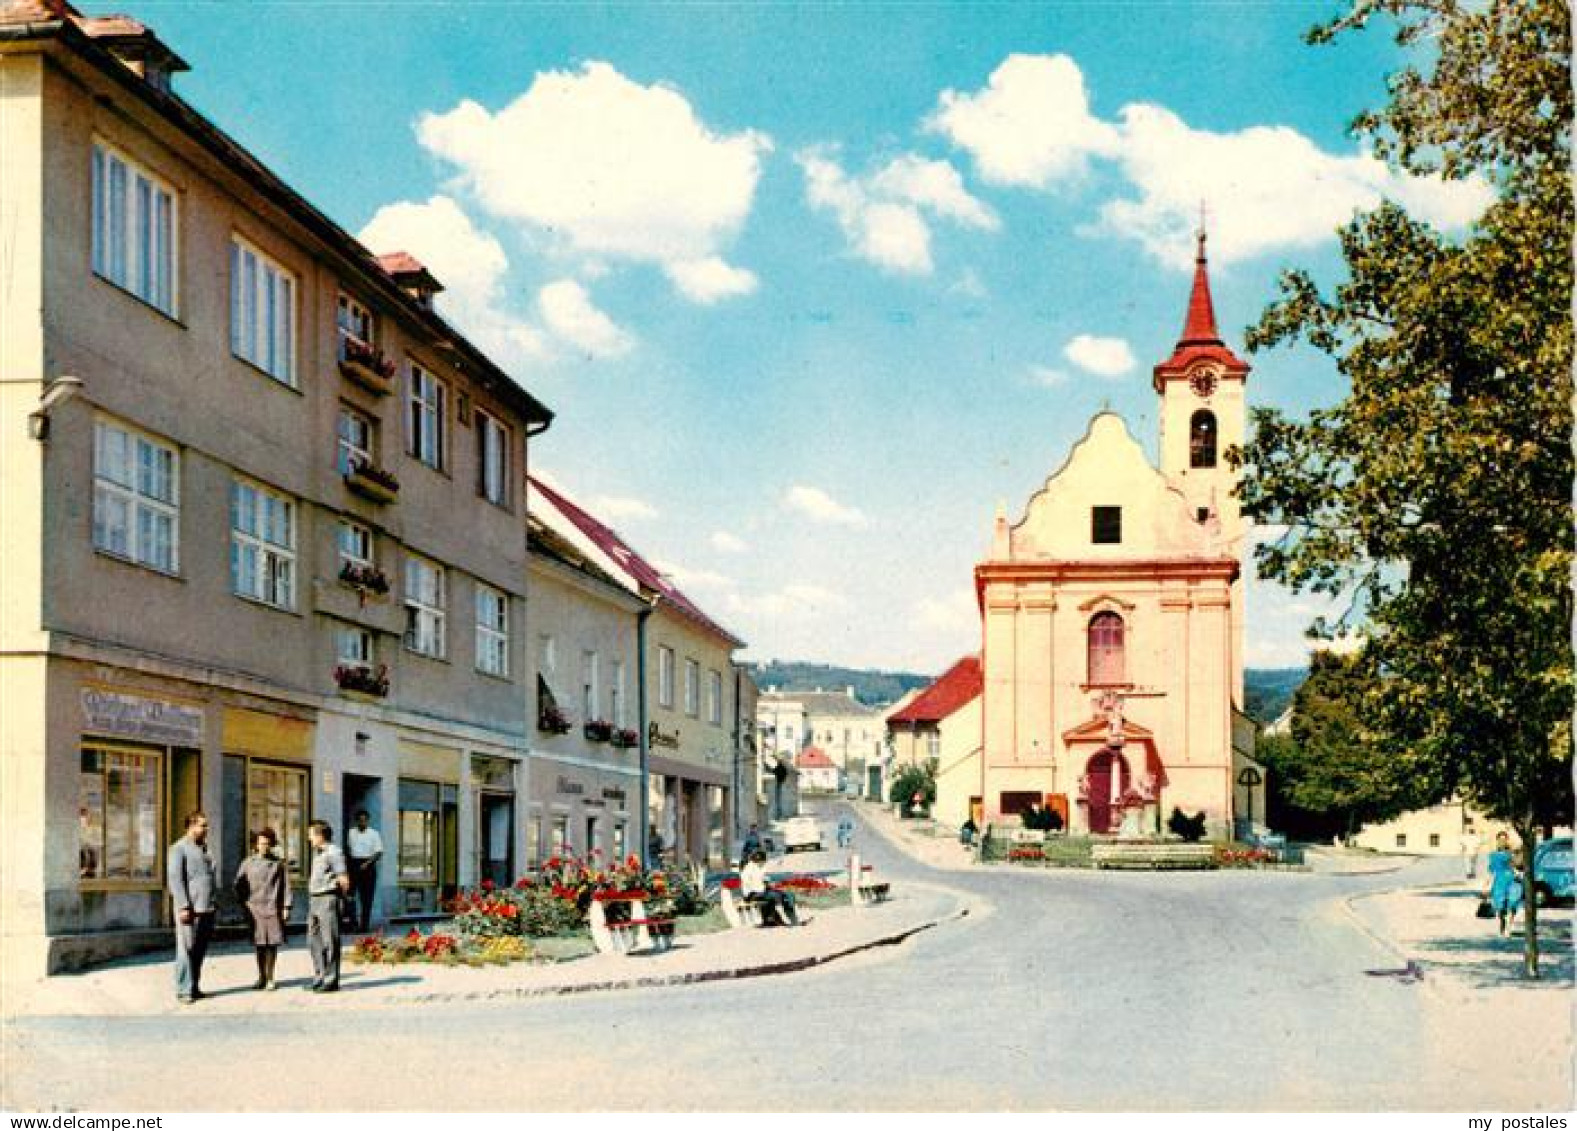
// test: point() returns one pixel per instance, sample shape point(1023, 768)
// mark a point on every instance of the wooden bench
point(739, 911)
point(865, 888)
point(624, 934)
point(1153, 856)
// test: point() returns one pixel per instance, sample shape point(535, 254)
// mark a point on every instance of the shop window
point(559, 841)
point(120, 818)
point(1107, 662)
point(533, 841)
point(419, 815)
point(591, 835)
point(276, 798)
point(618, 845)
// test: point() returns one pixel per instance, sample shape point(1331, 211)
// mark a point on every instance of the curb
point(1435, 983)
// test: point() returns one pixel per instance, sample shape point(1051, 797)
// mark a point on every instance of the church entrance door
point(1107, 776)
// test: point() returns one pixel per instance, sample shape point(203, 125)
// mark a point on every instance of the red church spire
point(1201, 340)
point(1199, 328)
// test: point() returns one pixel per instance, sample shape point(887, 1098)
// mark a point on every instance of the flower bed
point(1026, 854)
point(440, 948)
point(1233, 856)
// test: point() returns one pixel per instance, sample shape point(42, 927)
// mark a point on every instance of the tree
point(1437, 495)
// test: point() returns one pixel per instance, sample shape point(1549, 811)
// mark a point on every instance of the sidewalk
point(913, 838)
point(143, 987)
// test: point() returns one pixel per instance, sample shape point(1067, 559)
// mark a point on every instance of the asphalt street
point(1064, 990)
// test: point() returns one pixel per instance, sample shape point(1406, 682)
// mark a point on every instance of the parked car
point(1552, 871)
point(801, 832)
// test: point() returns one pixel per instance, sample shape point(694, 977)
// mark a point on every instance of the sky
point(813, 289)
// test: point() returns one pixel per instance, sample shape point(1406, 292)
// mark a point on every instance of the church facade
point(1112, 640)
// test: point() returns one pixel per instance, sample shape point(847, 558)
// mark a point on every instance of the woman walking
point(1505, 882)
point(263, 885)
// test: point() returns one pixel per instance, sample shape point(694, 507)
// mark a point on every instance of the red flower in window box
point(366, 578)
point(598, 730)
point(362, 679)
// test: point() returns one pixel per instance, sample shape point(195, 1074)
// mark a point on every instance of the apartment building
point(262, 530)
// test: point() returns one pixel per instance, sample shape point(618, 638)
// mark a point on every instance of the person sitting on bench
point(776, 906)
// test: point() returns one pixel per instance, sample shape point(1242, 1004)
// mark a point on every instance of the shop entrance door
point(496, 836)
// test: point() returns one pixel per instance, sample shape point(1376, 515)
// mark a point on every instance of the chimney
point(411, 277)
point(137, 47)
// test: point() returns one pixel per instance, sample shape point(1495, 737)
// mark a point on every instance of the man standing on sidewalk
point(366, 849)
point(1468, 842)
point(327, 884)
point(193, 881)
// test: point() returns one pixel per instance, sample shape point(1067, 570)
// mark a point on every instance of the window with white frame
point(590, 671)
point(424, 607)
point(714, 698)
point(665, 676)
point(136, 497)
point(692, 688)
point(353, 647)
point(262, 545)
point(492, 631)
point(616, 694)
point(354, 543)
point(134, 229)
point(492, 445)
point(355, 440)
point(353, 320)
point(262, 312)
point(425, 417)
point(547, 654)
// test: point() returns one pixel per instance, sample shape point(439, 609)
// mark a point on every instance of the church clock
point(1202, 381)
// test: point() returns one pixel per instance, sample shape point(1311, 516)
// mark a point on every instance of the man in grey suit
point(327, 884)
point(193, 881)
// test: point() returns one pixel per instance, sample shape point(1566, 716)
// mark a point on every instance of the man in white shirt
point(778, 905)
point(366, 849)
point(1468, 843)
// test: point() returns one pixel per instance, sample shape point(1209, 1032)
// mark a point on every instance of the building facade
point(262, 525)
point(846, 730)
point(940, 727)
point(1112, 614)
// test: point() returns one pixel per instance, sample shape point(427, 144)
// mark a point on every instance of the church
point(1112, 618)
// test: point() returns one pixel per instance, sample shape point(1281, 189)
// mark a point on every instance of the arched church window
point(1107, 665)
point(1202, 439)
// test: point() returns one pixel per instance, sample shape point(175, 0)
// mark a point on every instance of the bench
point(865, 888)
point(739, 912)
point(624, 934)
point(1153, 856)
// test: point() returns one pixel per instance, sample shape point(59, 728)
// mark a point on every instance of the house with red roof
point(940, 726)
point(818, 773)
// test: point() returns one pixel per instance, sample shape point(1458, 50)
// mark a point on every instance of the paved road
point(1079, 990)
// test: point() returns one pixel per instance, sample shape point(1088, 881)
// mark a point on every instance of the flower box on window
point(371, 481)
point(365, 578)
point(362, 680)
point(626, 738)
point(551, 720)
point(366, 365)
point(598, 730)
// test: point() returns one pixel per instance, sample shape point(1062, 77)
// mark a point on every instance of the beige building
point(1438, 830)
point(269, 559)
point(846, 730)
point(940, 727)
point(1112, 642)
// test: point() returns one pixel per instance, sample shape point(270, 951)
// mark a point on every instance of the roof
point(544, 541)
point(407, 270)
point(814, 758)
point(619, 555)
point(1200, 340)
point(958, 686)
point(822, 702)
point(38, 20)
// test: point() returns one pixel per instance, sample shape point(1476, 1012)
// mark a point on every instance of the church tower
point(1202, 415)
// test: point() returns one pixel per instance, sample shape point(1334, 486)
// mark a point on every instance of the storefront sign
point(135, 716)
point(656, 737)
point(572, 787)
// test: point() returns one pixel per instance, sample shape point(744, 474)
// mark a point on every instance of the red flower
point(487, 885)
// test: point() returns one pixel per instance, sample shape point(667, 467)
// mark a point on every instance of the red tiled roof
point(814, 758)
point(400, 262)
point(1201, 340)
point(34, 11)
point(646, 575)
point(957, 686)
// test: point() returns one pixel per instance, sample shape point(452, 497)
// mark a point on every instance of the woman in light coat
point(263, 886)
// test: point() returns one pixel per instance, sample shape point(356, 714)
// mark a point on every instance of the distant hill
point(1267, 692)
point(871, 687)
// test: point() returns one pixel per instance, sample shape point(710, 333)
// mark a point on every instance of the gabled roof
point(545, 542)
point(958, 686)
point(822, 703)
point(814, 758)
point(618, 556)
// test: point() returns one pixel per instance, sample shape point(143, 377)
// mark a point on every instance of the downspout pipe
point(643, 710)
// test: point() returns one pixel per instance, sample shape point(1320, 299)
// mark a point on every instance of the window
point(1202, 439)
point(547, 652)
point(533, 841)
point(589, 671)
point(1106, 525)
point(714, 698)
point(135, 497)
point(492, 453)
point(262, 313)
point(424, 608)
point(616, 695)
point(134, 229)
point(665, 676)
point(354, 321)
point(492, 631)
point(262, 545)
point(425, 419)
point(419, 810)
point(353, 647)
point(355, 440)
point(558, 842)
point(120, 816)
point(1106, 659)
point(354, 543)
point(616, 848)
point(933, 745)
point(692, 688)
point(276, 798)
point(1401, 840)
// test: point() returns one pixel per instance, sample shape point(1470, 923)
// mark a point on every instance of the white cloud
point(886, 216)
point(710, 280)
point(797, 599)
point(471, 265)
point(700, 579)
point(726, 543)
point(609, 167)
point(956, 614)
point(616, 508)
point(969, 284)
point(1047, 376)
point(815, 503)
point(1104, 357)
point(1030, 127)
point(568, 311)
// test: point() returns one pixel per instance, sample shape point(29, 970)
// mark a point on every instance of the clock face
point(1203, 382)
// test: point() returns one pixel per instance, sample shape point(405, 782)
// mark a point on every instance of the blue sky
point(814, 288)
